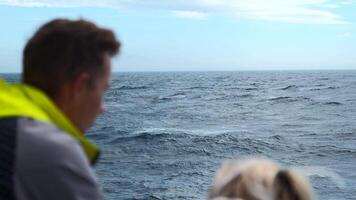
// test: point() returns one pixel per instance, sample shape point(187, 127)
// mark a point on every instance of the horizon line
point(241, 70)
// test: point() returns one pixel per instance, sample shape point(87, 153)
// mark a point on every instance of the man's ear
point(80, 82)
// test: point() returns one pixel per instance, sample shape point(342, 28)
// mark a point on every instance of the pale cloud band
point(346, 35)
point(190, 14)
point(289, 11)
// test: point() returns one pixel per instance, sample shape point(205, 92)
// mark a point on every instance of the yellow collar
point(18, 100)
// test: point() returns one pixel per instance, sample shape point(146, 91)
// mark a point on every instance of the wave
point(196, 87)
point(334, 103)
point(250, 89)
point(241, 88)
point(323, 79)
point(178, 94)
point(327, 88)
point(125, 87)
point(288, 99)
point(227, 97)
point(152, 133)
point(289, 87)
point(346, 134)
point(172, 133)
point(140, 136)
point(279, 98)
point(197, 143)
point(331, 88)
point(244, 95)
point(328, 103)
point(308, 118)
point(333, 149)
point(315, 89)
point(277, 137)
point(309, 135)
point(255, 84)
point(323, 172)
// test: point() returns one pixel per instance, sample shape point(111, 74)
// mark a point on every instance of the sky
point(199, 35)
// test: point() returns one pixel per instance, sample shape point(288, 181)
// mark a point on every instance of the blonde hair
point(259, 179)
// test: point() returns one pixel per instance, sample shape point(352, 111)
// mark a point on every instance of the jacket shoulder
point(45, 142)
point(50, 162)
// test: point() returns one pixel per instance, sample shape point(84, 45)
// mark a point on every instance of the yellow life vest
point(21, 100)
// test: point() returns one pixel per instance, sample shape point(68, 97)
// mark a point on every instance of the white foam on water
point(199, 132)
point(324, 172)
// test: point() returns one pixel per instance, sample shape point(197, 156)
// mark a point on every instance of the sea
point(164, 134)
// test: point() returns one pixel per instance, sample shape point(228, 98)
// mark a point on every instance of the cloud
point(190, 14)
point(331, 6)
point(289, 11)
point(293, 11)
point(346, 2)
point(60, 3)
point(346, 35)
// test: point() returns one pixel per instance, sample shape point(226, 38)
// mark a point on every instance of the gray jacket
point(41, 162)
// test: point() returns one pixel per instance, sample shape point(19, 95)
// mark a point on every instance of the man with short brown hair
point(44, 153)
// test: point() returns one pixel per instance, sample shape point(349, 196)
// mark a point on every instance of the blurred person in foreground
point(259, 179)
point(43, 151)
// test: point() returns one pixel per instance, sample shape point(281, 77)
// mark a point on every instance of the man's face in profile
point(91, 98)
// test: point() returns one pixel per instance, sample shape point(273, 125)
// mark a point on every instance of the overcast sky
point(200, 35)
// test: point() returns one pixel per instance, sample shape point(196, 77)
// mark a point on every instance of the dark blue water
point(164, 134)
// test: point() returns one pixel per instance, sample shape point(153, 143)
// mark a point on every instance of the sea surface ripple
point(165, 133)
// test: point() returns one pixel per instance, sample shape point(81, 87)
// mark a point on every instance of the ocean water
point(164, 134)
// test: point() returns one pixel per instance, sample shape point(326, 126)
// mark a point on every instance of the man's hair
point(62, 49)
